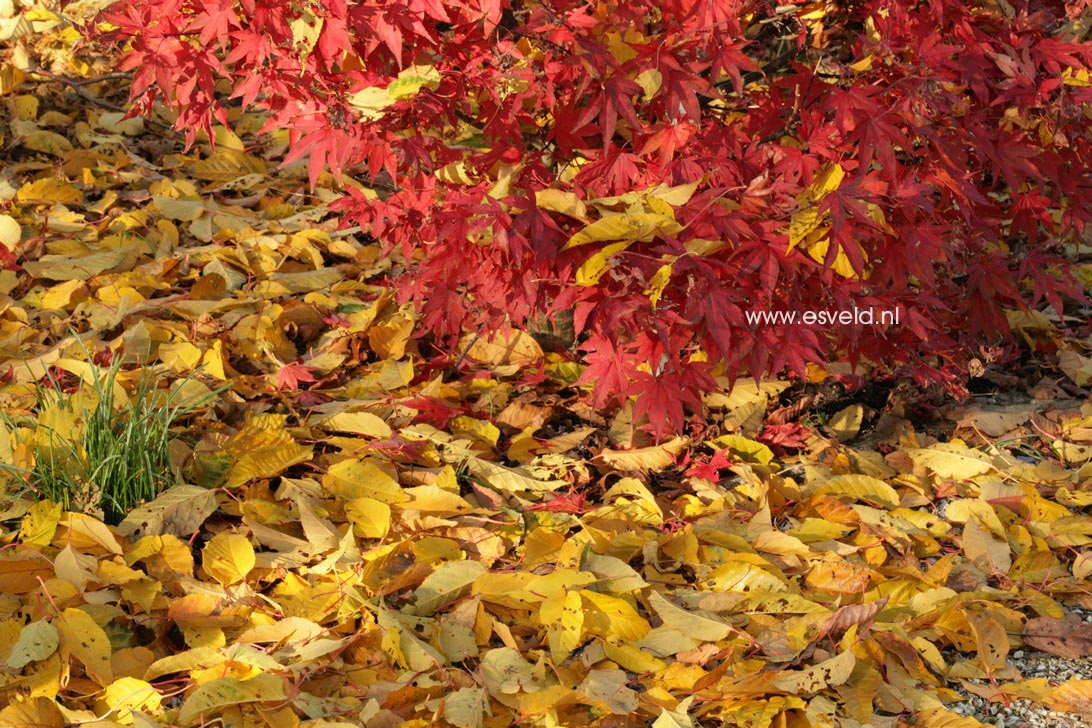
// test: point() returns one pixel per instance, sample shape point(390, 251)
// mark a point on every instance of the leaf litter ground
point(369, 530)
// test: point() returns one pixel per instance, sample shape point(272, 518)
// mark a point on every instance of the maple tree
point(659, 169)
point(350, 529)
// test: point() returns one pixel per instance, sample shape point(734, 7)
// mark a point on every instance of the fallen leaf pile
point(368, 530)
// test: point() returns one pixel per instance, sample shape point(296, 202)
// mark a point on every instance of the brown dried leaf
point(1069, 637)
point(850, 615)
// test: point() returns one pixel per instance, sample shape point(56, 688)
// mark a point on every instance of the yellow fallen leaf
point(37, 711)
point(179, 510)
point(10, 231)
point(85, 532)
point(595, 267)
point(175, 209)
point(566, 203)
point(359, 423)
point(20, 576)
point(951, 460)
point(483, 431)
point(87, 641)
point(127, 694)
point(370, 102)
point(63, 296)
point(503, 348)
point(846, 423)
point(810, 680)
point(76, 568)
point(466, 707)
point(513, 480)
point(659, 282)
point(76, 267)
point(286, 629)
point(991, 640)
point(363, 479)
point(698, 626)
point(624, 227)
point(642, 459)
point(181, 356)
point(228, 558)
point(10, 78)
point(992, 555)
point(745, 448)
point(631, 657)
point(819, 245)
point(673, 196)
point(228, 164)
point(1075, 696)
point(451, 581)
point(40, 523)
point(47, 142)
point(211, 697)
point(48, 191)
point(455, 173)
point(563, 615)
point(371, 518)
point(504, 671)
point(183, 662)
point(37, 641)
point(389, 338)
point(263, 454)
point(1076, 367)
point(939, 717)
point(828, 179)
point(861, 487)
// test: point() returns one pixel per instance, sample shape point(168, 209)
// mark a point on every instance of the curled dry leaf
point(851, 615)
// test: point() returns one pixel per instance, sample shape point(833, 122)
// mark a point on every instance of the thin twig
point(81, 81)
point(453, 371)
point(77, 84)
point(346, 232)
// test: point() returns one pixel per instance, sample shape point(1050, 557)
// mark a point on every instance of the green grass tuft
point(118, 458)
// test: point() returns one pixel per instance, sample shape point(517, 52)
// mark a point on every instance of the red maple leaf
point(661, 398)
point(789, 436)
point(608, 369)
point(432, 410)
point(571, 502)
point(613, 101)
point(667, 140)
point(215, 21)
point(711, 470)
point(291, 374)
point(7, 259)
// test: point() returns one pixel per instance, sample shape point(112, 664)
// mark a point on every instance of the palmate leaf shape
point(662, 398)
point(291, 374)
point(955, 129)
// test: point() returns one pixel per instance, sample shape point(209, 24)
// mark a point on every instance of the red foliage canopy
point(663, 167)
